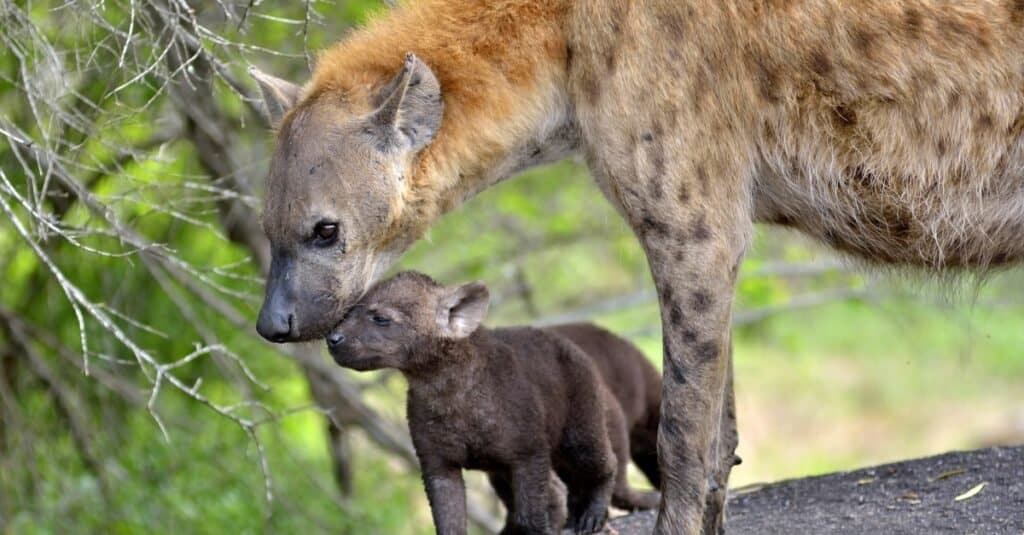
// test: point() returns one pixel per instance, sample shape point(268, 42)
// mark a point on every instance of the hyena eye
point(325, 233)
point(383, 321)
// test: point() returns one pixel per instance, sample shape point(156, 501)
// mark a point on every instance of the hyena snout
point(303, 303)
point(335, 339)
point(276, 321)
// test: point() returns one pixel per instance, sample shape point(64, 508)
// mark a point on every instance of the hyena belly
point(960, 218)
point(904, 146)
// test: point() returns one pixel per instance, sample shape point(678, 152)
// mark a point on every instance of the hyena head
point(335, 209)
point(399, 322)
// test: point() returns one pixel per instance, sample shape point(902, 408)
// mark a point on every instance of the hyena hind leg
point(624, 496)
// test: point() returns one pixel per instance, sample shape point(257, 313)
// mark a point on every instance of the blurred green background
point(835, 367)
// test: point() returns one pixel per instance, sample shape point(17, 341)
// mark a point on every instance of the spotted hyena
point(892, 130)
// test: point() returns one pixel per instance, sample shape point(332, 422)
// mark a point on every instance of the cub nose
point(335, 339)
point(275, 326)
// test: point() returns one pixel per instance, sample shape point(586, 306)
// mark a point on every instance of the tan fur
point(892, 130)
point(502, 69)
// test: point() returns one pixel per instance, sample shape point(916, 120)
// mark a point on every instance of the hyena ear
point(409, 108)
point(461, 310)
point(279, 95)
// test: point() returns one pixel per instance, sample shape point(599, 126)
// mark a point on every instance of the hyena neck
point(503, 79)
point(450, 371)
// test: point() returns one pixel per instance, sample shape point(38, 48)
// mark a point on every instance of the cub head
point(397, 319)
point(334, 199)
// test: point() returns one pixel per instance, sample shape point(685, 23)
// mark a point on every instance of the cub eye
point(383, 321)
point(325, 233)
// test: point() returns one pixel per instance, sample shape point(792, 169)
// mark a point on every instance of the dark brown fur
point(515, 403)
point(633, 381)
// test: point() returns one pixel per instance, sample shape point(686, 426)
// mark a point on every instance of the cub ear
point(409, 108)
point(461, 310)
point(279, 95)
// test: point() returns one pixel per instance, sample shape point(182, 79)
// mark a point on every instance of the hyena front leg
point(696, 300)
point(694, 250)
point(727, 440)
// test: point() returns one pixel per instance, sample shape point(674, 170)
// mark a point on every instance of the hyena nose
point(335, 339)
point(275, 326)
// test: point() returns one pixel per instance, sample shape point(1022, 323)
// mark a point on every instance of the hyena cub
point(516, 403)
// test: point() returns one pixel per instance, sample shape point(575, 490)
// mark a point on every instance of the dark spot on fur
point(657, 129)
point(820, 63)
point(684, 193)
point(985, 121)
point(830, 237)
point(1017, 127)
point(700, 230)
point(698, 89)
point(700, 301)
point(707, 351)
point(766, 76)
point(569, 55)
point(961, 31)
point(669, 424)
point(702, 174)
point(658, 161)
point(647, 137)
point(675, 315)
point(913, 23)
point(954, 100)
point(667, 294)
point(942, 147)
point(768, 81)
point(649, 224)
point(591, 88)
point(785, 220)
point(900, 228)
point(679, 255)
point(672, 22)
point(893, 224)
point(689, 337)
point(672, 118)
point(655, 188)
point(1016, 8)
point(609, 60)
point(677, 369)
point(862, 177)
point(999, 259)
point(844, 117)
point(863, 40)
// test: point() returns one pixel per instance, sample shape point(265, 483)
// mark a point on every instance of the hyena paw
point(591, 520)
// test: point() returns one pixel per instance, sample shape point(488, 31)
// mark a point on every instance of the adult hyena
point(892, 130)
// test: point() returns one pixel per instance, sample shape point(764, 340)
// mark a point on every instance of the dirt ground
point(977, 492)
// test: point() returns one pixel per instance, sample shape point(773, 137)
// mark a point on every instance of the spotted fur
point(892, 130)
